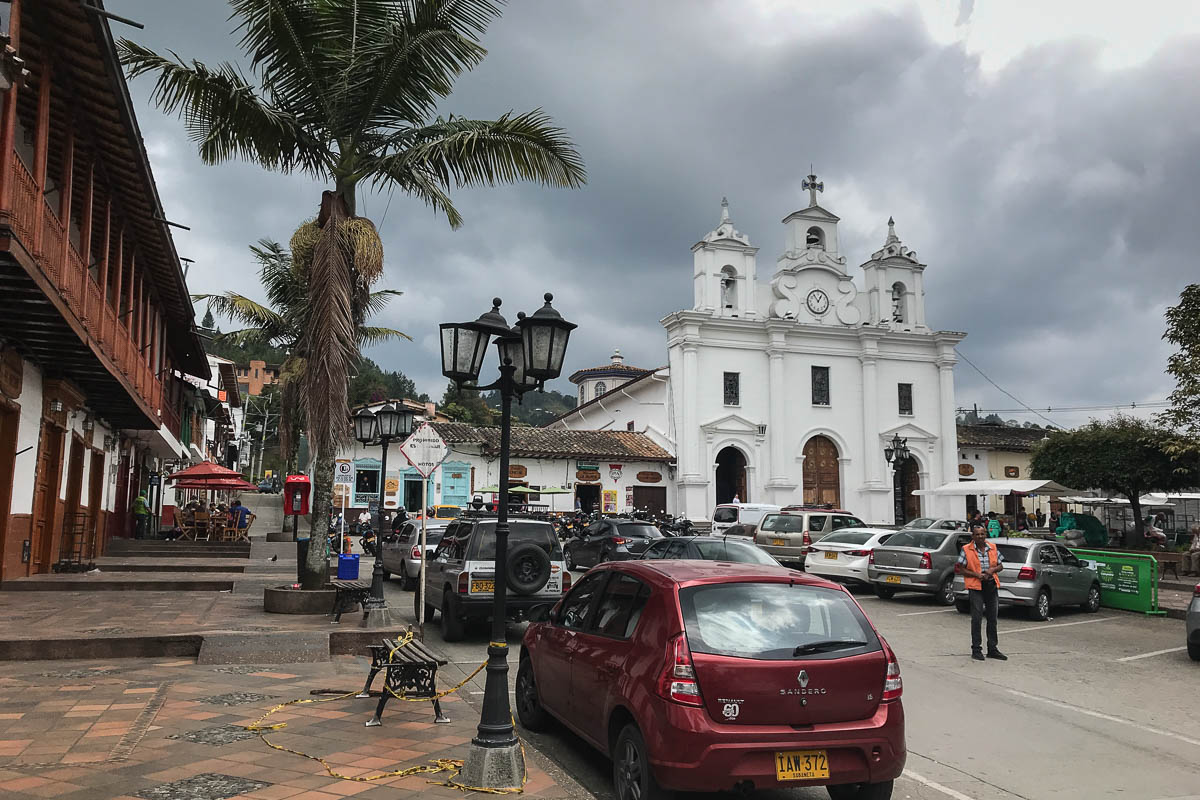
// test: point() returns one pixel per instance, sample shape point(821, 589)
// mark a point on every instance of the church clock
point(818, 301)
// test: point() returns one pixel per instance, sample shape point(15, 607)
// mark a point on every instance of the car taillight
point(926, 561)
point(1197, 592)
point(463, 582)
point(416, 551)
point(871, 558)
point(859, 552)
point(1027, 574)
point(893, 687)
point(807, 539)
point(620, 540)
point(678, 681)
point(566, 581)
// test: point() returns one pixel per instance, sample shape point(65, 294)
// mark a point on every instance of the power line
point(1059, 409)
point(1005, 391)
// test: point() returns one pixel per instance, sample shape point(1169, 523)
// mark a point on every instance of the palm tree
point(347, 91)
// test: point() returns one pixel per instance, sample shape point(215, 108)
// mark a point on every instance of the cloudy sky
point(1042, 157)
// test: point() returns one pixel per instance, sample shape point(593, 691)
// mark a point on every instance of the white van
point(748, 515)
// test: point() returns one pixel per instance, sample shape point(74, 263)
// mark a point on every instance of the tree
point(535, 408)
point(346, 91)
point(372, 385)
point(1123, 456)
point(1183, 331)
point(466, 405)
point(208, 323)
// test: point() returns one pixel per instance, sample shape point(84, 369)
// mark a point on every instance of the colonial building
point(595, 381)
point(786, 388)
point(998, 452)
point(96, 324)
point(255, 376)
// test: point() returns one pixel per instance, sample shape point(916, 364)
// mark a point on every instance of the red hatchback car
point(708, 676)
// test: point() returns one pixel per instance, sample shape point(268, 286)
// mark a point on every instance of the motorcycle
point(370, 543)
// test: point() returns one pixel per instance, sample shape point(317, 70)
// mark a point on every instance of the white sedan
point(843, 555)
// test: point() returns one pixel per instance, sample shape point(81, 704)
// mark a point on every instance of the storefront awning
point(966, 488)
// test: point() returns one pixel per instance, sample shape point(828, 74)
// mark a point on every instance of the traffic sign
point(343, 472)
point(425, 450)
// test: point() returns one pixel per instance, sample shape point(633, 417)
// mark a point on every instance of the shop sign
point(966, 469)
point(587, 475)
point(649, 477)
point(587, 465)
point(614, 471)
point(517, 471)
point(610, 501)
point(1012, 472)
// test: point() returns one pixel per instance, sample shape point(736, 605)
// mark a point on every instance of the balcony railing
point(68, 271)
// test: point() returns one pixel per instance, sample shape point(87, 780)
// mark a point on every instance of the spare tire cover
point(528, 569)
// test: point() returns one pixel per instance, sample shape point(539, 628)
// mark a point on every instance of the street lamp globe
point(365, 426)
point(544, 336)
point(464, 344)
point(394, 422)
point(512, 351)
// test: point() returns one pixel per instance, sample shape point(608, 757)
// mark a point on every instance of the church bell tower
point(895, 285)
point(723, 275)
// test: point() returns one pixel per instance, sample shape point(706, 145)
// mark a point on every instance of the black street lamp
point(531, 353)
point(381, 426)
point(896, 452)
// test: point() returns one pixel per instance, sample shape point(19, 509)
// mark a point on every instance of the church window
point(820, 386)
point(732, 385)
point(815, 238)
point(898, 314)
point(906, 401)
point(629, 425)
point(728, 287)
point(601, 388)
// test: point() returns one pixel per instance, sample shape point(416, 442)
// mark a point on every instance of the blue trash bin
point(348, 567)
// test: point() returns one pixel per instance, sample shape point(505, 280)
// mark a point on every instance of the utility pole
point(262, 444)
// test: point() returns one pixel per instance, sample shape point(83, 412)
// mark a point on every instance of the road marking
point(1107, 717)
point(946, 790)
point(1045, 627)
point(1155, 653)
point(919, 613)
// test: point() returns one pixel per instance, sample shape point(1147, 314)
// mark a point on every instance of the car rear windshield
point(784, 523)
point(848, 537)
point(638, 529)
point(726, 550)
point(928, 540)
point(922, 522)
point(519, 532)
point(773, 621)
point(1013, 553)
point(725, 515)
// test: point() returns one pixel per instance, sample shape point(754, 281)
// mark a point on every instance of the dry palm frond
point(367, 248)
point(331, 348)
point(291, 375)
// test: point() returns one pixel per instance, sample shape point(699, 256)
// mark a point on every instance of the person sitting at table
point(1191, 559)
point(239, 515)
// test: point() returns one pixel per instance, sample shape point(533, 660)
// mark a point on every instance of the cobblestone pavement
point(173, 729)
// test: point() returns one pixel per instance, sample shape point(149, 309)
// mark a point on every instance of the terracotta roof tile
point(1000, 437)
point(557, 443)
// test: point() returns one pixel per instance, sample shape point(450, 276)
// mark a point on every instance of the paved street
point(1088, 706)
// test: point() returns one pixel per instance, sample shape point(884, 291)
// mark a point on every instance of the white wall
point(28, 431)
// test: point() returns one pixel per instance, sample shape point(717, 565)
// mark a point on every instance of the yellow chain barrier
point(434, 766)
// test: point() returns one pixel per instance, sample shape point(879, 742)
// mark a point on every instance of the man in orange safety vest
point(980, 563)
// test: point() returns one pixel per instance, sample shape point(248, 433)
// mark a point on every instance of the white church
point(786, 388)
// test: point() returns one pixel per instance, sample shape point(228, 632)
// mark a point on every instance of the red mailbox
point(296, 491)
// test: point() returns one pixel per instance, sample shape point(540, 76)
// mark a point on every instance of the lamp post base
point(493, 767)
point(378, 617)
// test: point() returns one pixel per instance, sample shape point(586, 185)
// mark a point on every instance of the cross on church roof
point(813, 186)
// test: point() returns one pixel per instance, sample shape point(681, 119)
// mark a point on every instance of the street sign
point(425, 450)
point(343, 471)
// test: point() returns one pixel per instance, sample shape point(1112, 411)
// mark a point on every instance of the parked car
point(933, 523)
point(402, 550)
point(1038, 576)
point(788, 535)
point(708, 548)
point(696, 676)
point(842, 555)
point(266, 486)
point(1193, 625)
point(460, 575)
point(747, 515)
point(446, 512)
point(917, 561)
point(609, 539)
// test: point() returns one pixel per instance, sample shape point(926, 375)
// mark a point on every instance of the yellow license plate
point(779, 542)
point(801, 765)
point(483, 586)
point(831, 555)
point(892, 579)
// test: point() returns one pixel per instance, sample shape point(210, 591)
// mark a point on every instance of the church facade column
point(694, 478)
point(949, 436)
point(918, 300)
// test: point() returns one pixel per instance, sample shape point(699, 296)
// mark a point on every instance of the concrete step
point(154, 549)
point(165, 564)
point(125, 582)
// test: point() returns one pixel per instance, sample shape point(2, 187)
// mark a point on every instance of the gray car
point(1038, 576)
point(1193, 626)
point(401, 551)
point(917, 561)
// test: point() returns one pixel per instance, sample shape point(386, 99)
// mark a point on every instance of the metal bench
point(349, 594)
point(410, 671)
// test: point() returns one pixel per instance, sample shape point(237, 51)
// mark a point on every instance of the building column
point(41, 150)
point(8, 127)
point(106, 244)
point(690, 434)
point(129, 294)
point(119, 275)
point(918, 301)
point(871, 454)
point(948, 438)
point(65, 195)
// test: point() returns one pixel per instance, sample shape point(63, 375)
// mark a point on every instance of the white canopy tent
point(1028, 487)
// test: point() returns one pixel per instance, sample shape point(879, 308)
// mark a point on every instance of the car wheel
point(633, 778)
point(945, 592)
point(603, 557)
point(568, 560)
point(1194, 651)
point(453, 626)
point(529, 706)
point(963, 606)
point(1040, 610)
point(861, 791)
point(417, 608)
point(1093, 600)
point(884, 592)
point(407, 582)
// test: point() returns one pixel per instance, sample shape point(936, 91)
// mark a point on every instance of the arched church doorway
point(907, 480)
point(822, 473)
point(731, 476)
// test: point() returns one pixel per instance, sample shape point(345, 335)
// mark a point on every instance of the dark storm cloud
point(1053, 201)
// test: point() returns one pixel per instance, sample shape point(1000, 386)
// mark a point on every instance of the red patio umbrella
point(206, 471)
point(218, 484)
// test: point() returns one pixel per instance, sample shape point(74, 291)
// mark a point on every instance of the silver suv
point(788, 535)
point(460, 575)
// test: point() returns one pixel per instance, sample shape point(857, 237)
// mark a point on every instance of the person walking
point(981, 562)
point(994, 527)
point(141, 516)
point(1191, 559)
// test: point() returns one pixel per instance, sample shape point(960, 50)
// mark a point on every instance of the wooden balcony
point(67, 274)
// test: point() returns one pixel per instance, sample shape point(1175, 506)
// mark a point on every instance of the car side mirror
point(542, 612)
